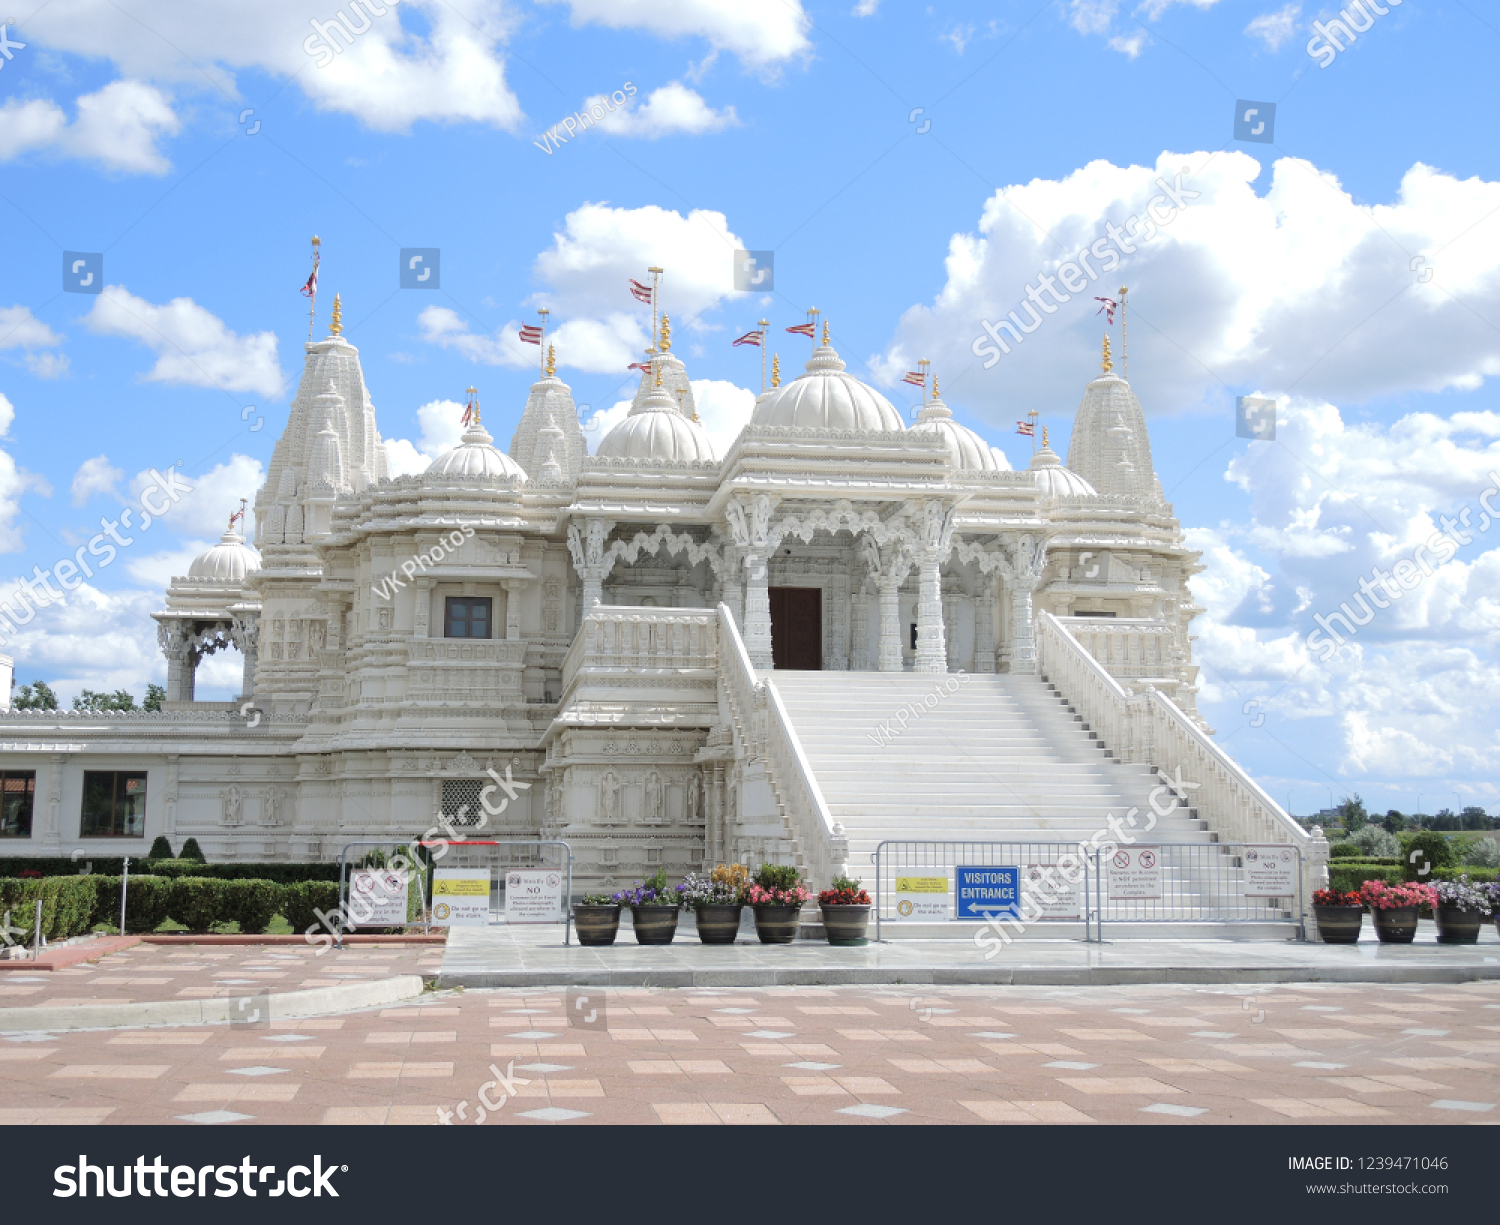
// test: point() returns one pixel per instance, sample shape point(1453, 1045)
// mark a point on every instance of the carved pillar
point(422, 608)
point(932, 655)
point(244, 632)
point(951, 602)
point(734, 589)
point(757, 609)
point(1023, 627)
point(859, 631)
point(890, 623)
point(513, 609)
point(984, 627)
point(176, 641)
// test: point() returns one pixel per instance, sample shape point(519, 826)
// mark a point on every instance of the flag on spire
point(1028, 428)
point(531, 333)
point(916, 378)
point(643, 367)
point(642, 292)
point(310, 289)
point(751, 338)
point(1108, 309)
point(808, 329)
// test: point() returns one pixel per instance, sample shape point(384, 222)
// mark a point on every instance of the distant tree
point(1444, 819)
point(1394, 822)
point(1474, 817)
point(155, 696)
point(118, 700)
point(1352, 814)
point(36, 696)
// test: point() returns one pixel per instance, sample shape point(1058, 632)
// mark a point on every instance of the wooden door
point(797, 628)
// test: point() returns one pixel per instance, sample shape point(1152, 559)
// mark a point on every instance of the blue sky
point(199, 146)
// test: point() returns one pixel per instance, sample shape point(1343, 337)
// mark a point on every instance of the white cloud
point(865, 8)
point(7, 414)
point(389, 78)
point(1092, 16)
point(602, 421)
point(1301, 287)
point(47, 365)
point(117, 127)
point(95, 476)
point(19, 328)
point(91, 639)
point(761, 35)
point(1273, 29)
point(586, 271)
point(958, 37)
point(1130, 45)
point(440, 422)
point(671, 109)
point(724, 409)
point(194, 347)
point(204, 512)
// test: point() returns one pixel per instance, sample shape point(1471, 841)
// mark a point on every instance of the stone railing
point(1150, 728)
point(644, 639)
point(765, 730)
point(1130, 648)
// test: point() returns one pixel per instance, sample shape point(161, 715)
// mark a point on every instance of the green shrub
point(198, 902)
point(160, 848)
point(251, 903)
point(190, 850)
point(67, 906)
point(1424, 853)
point(1347, 877)
point(1476, 875)
point(283, 873)
point(147, 901)
point(299, 901)
point(1344, 850)
point(777, 876)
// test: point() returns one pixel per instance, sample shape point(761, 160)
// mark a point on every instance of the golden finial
point(656, 365)
point(317, 242)
point(551, 360)
point(934, 385)
point(337, 325)
point(825, 332)
point(1106, 365)
point(776, 370)
point(1045, 443)
point(666, 333)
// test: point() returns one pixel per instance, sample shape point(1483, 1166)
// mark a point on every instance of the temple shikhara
point(846, 629)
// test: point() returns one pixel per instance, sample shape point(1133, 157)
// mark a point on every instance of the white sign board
point(1270, 871)
point(1048, 893)
point(1134, 874)
point(533, 896)
point(923, 899)
point(377, 897)
point(461, 897)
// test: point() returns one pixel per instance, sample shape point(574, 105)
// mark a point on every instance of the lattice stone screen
point(460, 803)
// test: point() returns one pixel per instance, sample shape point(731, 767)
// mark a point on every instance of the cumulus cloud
point(761, 35)
point(1301, 289)
point(724, 410)
point(194, 347)
point(672, 109)
point(20, 329)
point(379, 69)
point(118, 127)
point(95, 476)
point(1273, 29)
point(203, 513)
point(440, 422)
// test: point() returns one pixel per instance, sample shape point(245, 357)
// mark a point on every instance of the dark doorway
point(797, 629)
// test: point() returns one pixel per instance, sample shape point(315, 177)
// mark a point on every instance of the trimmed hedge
point(300, 900)
point(67, 906)
point(1347, 877)
point(1344, 850)
point(1477, 876)
point(282, 873)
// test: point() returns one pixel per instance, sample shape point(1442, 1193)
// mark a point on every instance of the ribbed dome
point(476, 457)
point(231, 559)
point(825, 398)
point(968, 451)
point(656, 430)
point(1055, 481)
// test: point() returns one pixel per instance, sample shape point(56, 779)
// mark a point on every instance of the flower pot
point(596, 924)
point(846, 924)
point(1398, 925)
point(1339, 924)
point(776, 923)
point(1457, 926)
point(654, 924)
point(719, 922)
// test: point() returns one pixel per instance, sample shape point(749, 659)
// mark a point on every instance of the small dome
point(968, 451)
point(1055, 481)
point(475, 456)
point(825, 398)
point(230, 559)
point(655, 429)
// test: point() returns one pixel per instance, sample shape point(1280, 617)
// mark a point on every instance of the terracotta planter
point(846, 925)
point(776, 923)
point(719, 922)
point(1397, 925)
point(596, 924)
point(1457, 926)
point(1339, 924)
point(654, 924)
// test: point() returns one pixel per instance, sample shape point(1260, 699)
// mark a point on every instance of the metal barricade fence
point(498, 856)
point(1198, 882)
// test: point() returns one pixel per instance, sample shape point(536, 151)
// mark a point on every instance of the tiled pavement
point(1145, 1055)
point(195, 972)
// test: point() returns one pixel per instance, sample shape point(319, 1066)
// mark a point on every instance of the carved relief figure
point(654, 810)
point(609, 797)
point(232, 804)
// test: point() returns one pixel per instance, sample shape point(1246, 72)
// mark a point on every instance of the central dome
point(655, 429)
point(825, 398)
point(476, 456)
point(967, 450)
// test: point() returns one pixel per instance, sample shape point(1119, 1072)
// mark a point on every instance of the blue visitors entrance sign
point(986, 891)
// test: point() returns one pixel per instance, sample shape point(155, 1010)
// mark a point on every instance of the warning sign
point(461, 897)
point(1270, 871)
point(923, 898)
point(533, 896)
point(1134, 874)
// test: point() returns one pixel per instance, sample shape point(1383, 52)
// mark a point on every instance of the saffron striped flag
point(804, 329)
point(311, 288)
point(531, 333)
point(1108, 309)
point(751, 338)
point(1026, 427)
point(642, 292)
point(916, 378)
point(643, 367)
